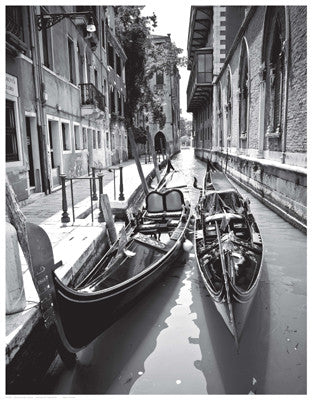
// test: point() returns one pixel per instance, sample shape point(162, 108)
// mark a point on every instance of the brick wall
point(282, 186)
point(297, 105)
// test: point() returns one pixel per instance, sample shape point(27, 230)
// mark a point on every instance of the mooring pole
point(100, 217)
point(121, 197)
point(94, 188)
point(65, 217)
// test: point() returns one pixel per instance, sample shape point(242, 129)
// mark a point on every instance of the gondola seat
point(236, 222)
point(169, 204)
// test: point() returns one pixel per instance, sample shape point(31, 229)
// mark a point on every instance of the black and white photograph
point(155, 199)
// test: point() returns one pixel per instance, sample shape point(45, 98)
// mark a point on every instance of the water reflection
point(104, 366)
point(169, 369)
point(243, 371)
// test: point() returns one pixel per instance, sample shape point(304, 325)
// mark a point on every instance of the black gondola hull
point(83, 317)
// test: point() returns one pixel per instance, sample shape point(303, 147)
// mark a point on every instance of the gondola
point(150, 243)
point(229, 249)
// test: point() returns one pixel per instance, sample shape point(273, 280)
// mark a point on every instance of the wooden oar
point(229, 303)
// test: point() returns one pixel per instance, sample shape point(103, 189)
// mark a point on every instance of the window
point(204, 68)
point(46, 45)
point(122, 105)
point(77, 138)
point(110, 55)
point(107, 140)
point(96, 78)
point(118, 66)
point(66, 136)
point(85, 142)
point(112, 100)
point(243, 94)
point(14, 21)
point(11, 133)
point(105, 92)
point(220, 114)
point(71, 59)
point(274, 58)
point(94, 140)
point(229, 105)
point(103, 33)
point(51, 144)
point(160, 78)
point(119, 104)
point(99, 139)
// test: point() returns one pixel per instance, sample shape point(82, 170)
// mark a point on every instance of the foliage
point(140, 135)
point(133, 30)
point(185, 127)
point(163, 56)
point(143, 59)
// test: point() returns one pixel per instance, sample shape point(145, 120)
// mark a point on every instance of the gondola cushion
point(170, 201)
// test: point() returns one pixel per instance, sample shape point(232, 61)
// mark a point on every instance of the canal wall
point(281, 187)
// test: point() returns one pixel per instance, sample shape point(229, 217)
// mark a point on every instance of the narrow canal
point(174, 342)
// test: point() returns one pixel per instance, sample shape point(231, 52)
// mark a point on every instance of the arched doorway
point(160, 142)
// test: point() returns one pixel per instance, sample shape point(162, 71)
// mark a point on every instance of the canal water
point(174, 341)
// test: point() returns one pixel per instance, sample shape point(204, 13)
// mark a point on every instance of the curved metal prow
point(42, 270)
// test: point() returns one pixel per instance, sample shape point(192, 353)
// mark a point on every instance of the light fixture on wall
point(45, 21)
point(91, 27)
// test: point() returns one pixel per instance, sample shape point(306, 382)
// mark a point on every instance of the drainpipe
point(37, 72)
point(286, 48)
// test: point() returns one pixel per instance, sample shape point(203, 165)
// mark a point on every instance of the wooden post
point(135, 152)
point(154, 156)
point(108, 217)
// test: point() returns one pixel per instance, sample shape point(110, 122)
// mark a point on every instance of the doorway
point(54, 151)
point(32, 141)
point(160, 143)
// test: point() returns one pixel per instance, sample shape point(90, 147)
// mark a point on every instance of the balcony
point(201, 79)
point(93, 102)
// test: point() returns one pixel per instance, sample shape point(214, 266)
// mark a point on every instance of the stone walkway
point(41, 207)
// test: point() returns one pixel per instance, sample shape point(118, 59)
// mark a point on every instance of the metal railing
point(90, 95)
point(65, 218)
point(13, 27)
point(121, 196)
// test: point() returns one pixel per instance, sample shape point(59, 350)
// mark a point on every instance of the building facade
point(167, 87)
point(247, 92)
point(65, 93)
